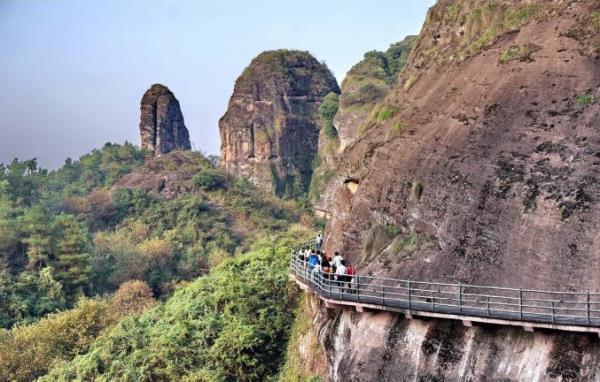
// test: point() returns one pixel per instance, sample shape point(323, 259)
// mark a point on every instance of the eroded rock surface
point(162, 128)
point(364, 347)
point(269, 132)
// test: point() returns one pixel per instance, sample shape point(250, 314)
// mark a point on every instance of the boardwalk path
point(530, 309)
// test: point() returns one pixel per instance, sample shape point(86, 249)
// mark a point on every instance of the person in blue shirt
point(312, 260)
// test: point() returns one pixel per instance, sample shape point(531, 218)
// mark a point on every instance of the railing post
point(432, 301)
point(383, 295)
point(358, 288)
point(487, 300)
point(552, 311)
point(521, 304)
point(460, 298)
point(409, 294)
point(587, 306)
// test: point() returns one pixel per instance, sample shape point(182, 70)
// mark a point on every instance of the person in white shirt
point(316, 272)
point(319, 241)
point(337, 259)
point(340, 273)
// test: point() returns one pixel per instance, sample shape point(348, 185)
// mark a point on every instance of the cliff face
point(485, 156)
point(269, 132)
point(162, 128)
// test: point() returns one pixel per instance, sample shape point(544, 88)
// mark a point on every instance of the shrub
point(585, 99)
point(327, 110)
point(28, 352)
point(210, 179)
point(132, 297)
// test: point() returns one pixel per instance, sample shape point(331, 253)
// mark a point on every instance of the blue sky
point(72, 72)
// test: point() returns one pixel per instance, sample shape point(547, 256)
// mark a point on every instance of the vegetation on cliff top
point(368, 81)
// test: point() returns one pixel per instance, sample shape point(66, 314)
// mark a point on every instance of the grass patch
point(410, 81)
point(521, 52)
point(412, 242)
point(594, 21)
point(452, 11)
point(384, 113)
point(515, 18)
point(396, 129)
point(509, 54)
point(585, 99)
point(493, 23)
point(483, 40)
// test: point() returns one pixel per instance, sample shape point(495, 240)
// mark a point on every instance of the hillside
point(117, 232)
point(231, 325)
point(484, 157)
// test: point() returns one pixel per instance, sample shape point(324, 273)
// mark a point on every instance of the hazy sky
point(72, 72)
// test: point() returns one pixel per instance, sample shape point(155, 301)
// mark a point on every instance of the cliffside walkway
point(527, 308)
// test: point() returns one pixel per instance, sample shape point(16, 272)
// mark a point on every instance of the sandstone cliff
point(485, 156)
point(162, 128)
point(269, 132)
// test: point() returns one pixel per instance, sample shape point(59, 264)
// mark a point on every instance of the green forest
point(102, 281)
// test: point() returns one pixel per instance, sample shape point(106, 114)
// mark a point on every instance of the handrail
point(527, 305)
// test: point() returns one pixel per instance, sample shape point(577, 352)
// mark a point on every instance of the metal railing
point(528, 305)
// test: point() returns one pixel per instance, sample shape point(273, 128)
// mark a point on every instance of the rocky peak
point(162, 128)
point(269, 132)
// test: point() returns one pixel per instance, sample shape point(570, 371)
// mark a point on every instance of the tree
point(72, 264)
point(210, 179)
point(327, 111)
point(39, 293)
point(9, 312)
point(38, 230)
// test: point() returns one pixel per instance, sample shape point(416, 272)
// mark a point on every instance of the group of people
point(318, 262)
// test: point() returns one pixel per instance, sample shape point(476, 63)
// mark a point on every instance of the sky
point(72, 72)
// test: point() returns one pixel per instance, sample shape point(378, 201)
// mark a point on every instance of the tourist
point(341, 275)
point(319, 241)
point(312, 260)
point(337, 259)
point(350, 279)
point(316, 272)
